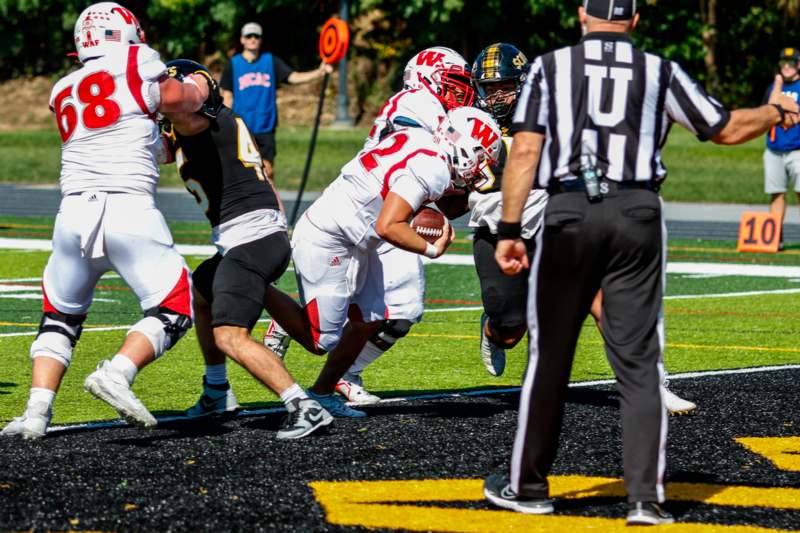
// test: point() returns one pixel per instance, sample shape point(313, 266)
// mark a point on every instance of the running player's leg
point(140, 249)
point(217, 396)
point(504, 298)
point(321, 263)
point(366, 315)
point(404, 290)
point(67, 288)
point(241, 279)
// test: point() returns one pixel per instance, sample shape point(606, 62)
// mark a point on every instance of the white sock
point(41, 395)
point(217, 374)
point(295, 391)
point(122, 364)
point(368, 354)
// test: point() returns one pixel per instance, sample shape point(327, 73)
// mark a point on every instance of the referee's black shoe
point(497, 490)
point(648, 514)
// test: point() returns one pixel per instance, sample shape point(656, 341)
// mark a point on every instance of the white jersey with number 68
point(105, 113)
point(408, 163)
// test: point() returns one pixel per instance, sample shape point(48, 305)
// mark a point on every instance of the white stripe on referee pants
point(662, 446)
point(517, 453)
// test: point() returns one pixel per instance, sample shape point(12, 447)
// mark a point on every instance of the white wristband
point(431, 251)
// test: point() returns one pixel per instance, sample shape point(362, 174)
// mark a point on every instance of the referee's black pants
point(616, 245)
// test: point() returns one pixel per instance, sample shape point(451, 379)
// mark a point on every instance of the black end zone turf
point(234, 475)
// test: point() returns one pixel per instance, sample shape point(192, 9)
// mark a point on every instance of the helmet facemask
point(455, 88)
point(499, 97)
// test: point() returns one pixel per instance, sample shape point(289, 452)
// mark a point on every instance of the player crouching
point(335, 243)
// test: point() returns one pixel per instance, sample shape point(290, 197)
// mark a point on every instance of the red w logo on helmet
point(429, 58)
point(483, 133)
point(126, 15)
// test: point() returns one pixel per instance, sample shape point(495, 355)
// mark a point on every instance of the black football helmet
point(496, 63)
point(178, 68)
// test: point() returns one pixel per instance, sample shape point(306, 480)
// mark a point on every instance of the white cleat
point(110, 386)
point(493, 357)
point(276, 339)
point(675, 404)
point(31, 425)
point(355, 393)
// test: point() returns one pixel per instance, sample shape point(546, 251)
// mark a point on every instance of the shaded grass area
point(698, 172)
point(440, 353)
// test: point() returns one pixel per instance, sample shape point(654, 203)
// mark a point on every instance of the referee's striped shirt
point(605, 102)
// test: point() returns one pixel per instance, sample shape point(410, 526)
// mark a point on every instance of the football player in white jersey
point(435, 80)
point(108, 219)
point(335, 243)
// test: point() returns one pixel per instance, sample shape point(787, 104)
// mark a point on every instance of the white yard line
point(437, 396)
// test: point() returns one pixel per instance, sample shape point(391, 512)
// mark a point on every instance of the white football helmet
point(442, 71)
point(103, 26)
point(471, 139)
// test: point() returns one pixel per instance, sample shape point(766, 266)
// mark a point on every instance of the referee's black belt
point(607, 186)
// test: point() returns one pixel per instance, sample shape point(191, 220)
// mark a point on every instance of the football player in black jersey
point(221, 167)
point(498, 74)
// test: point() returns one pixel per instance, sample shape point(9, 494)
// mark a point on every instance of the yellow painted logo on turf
point(783, 452)
point(425, 505)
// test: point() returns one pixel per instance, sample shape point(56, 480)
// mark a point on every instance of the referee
point(593, 118)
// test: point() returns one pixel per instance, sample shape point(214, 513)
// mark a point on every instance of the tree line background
point(731, 47)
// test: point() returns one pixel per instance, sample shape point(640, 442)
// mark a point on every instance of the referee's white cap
point(610, 9)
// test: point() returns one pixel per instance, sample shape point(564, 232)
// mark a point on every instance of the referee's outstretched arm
point(746, 124)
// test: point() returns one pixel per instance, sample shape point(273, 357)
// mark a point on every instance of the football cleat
point(648, 514)
point(355, 393)
point(493, 357)
point(108, 385)
point(305, 417)
point(215, 400)
point(497, 489)
point(675, 404)
point(276, 339)
point(336, 406)
point(31, 425)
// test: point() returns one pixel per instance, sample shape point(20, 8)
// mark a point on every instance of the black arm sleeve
point(282, 70)
point(226, 82)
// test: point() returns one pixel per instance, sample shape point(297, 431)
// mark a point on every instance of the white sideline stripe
point(472, 308)
point(704, 269)
point(730, 294)
point(435, 396)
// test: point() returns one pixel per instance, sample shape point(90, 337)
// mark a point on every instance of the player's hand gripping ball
point(428, 223)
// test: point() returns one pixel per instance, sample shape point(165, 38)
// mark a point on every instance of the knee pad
point(391, 331)
point(57, 336)
point(507, 336)
point(163, 328)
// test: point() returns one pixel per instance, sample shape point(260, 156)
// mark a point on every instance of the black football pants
point(616, 245)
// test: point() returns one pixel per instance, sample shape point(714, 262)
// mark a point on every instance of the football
point(428, 223)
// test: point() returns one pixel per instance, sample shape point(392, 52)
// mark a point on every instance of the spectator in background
point(782, 156)
point(249, 83)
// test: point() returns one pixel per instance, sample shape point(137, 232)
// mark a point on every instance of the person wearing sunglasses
point(249, 87)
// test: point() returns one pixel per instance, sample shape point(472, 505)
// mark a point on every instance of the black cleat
point(497, 490)
point(648, 514)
